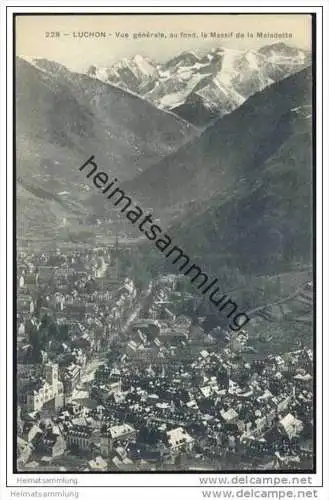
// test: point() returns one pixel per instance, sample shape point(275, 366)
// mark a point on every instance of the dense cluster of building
point(112, 378)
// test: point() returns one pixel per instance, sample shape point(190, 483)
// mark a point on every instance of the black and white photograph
point(165, 243)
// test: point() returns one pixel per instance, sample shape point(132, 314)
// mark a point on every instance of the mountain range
point(244, 164)
point(202, 86)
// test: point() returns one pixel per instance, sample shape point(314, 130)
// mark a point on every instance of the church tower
point(116, 257)
point(51, 374)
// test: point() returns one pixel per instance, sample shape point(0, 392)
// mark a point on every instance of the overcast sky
point(77, 54)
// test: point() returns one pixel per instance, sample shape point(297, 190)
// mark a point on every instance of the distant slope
point(230, 153)
point(74, 111)
point(62, 118)
point(265, 224)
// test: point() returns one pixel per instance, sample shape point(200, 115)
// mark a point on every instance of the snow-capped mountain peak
point(128, 73)
point(220, 79)
point(144, 65)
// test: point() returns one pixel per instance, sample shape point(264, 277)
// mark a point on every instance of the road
point(89, 372)
point(134, 314)
point(87, 376)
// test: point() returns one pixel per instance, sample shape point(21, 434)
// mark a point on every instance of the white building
point(46, 389)
point(178, 438)
point(291, 425)
point(114, 435)
point(80, 437)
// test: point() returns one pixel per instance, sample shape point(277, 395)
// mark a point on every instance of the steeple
point(116, 243)
point(116, 256)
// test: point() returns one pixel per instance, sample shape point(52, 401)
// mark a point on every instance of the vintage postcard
point(165, 243)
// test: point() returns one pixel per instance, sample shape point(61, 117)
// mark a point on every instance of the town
point(114, 376)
